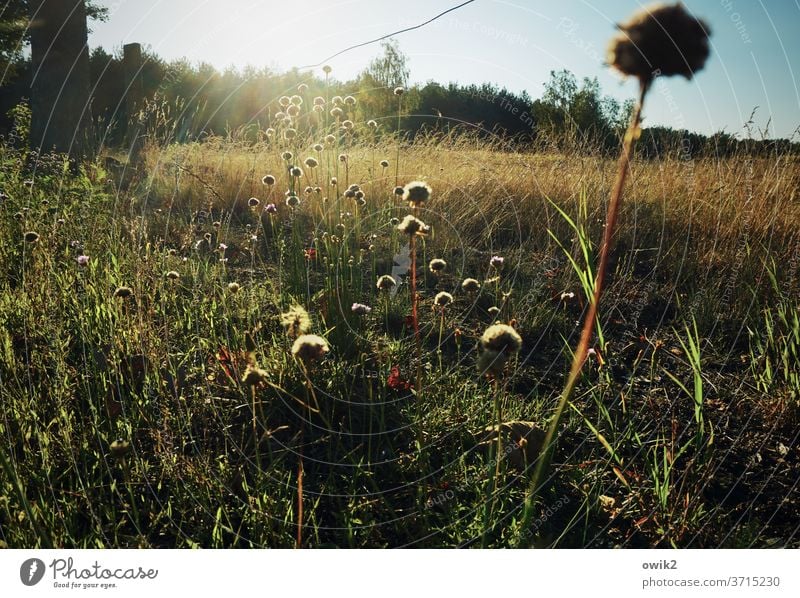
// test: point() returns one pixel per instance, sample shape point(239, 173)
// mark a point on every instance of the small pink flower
point(83, 260)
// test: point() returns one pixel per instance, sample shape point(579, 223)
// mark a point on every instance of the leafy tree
point(377, 82)
point(15, 33)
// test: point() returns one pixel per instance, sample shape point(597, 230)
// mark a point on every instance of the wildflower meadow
point(328, 332)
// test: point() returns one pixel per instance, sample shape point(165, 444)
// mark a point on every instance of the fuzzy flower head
point(233, 287)
point(123, 292)
point(386, 283)
point(172, 275)
point(360, 309)
point(470, 285)
point(255, 376)
point(31, 236)
point(296, 321)
point(501, 338)
point(83, 260)
point(497, 262)
point(411, 225)
point(120, 448)
point(271, 208)
point(661, 39)
point(310, 347)
point(437, 265)
point(416, 193)
point(398, 91)
point(292, 201)
point(311, 162)
point(268, 180)
point(384, 163)
point(498, 343)
point(442, 299)
point(253, 202)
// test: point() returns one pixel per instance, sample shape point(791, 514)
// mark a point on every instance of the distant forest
point(185, 102)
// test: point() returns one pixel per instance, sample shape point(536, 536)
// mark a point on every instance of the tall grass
point(214, 461)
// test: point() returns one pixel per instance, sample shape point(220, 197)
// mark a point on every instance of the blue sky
point(755, 60)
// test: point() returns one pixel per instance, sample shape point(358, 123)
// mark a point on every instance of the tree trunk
point(60, 99)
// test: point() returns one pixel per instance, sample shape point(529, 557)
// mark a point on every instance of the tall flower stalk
point(657, 41)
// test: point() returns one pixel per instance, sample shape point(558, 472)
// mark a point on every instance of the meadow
point(160, 387)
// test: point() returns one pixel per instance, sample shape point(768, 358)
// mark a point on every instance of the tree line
point(185, 101)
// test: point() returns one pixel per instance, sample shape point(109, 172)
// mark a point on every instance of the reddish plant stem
point(591, 315)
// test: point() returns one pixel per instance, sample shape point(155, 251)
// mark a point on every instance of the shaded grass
point(700, 242)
